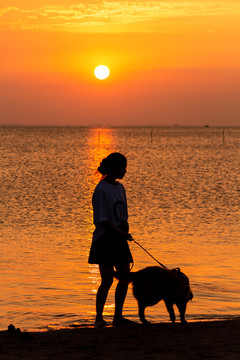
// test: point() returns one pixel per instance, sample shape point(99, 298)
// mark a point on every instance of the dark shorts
point(111, 249)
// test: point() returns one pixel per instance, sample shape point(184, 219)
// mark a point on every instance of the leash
point(148, 253)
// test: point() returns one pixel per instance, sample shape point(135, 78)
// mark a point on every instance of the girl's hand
point(130, 238)
point(126, 235)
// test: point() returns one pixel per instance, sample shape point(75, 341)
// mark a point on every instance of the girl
point(109, 246)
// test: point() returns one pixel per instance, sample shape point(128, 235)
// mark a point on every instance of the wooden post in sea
point(99, 135)
point(223, 136)
point(151, 135)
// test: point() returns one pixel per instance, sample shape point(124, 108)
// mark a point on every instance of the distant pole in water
point(99, 135)
point(223, 135)
point(151, 135)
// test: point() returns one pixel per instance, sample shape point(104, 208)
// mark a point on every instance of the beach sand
point(196, 340)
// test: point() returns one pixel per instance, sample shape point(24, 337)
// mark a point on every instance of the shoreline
point(195, 340)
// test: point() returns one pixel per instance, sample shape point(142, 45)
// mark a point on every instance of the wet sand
point(197, 340)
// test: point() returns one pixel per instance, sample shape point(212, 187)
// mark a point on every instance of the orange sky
point(171, 62)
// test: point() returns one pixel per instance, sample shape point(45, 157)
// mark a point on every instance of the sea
point(183, 191)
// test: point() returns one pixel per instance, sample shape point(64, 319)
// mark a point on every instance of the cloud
point(106, 13)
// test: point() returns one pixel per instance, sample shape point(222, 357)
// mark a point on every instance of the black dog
point(154, 283)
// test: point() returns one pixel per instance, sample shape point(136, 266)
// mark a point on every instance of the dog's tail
point(127, 277)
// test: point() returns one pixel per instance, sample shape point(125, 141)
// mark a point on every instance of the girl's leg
point(106, 282)
point(120, 295)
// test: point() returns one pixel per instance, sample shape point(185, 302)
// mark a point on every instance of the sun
point(101, 72)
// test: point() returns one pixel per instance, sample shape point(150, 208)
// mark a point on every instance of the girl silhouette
point(109, 247)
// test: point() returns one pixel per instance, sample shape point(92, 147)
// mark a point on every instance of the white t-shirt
point(109, 204)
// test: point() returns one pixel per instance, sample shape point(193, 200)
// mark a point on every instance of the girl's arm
point(123, 232)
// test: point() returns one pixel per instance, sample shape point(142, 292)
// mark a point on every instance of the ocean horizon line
point(109, 126)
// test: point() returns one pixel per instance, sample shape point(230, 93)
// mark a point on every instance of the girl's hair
point(112, 162)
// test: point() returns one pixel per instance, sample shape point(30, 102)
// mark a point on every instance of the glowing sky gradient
point(171, 62)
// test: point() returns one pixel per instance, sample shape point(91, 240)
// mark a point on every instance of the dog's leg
point(182, 310)
point(141, 313)
point(169, 306)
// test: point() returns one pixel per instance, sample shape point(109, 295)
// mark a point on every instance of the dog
point(153, 284)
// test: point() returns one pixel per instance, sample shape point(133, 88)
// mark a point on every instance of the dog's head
point(189, 295)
